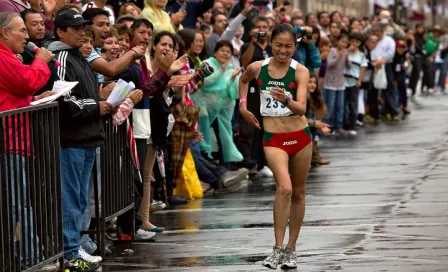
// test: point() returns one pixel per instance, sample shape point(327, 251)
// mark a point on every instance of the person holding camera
point(307, 52)
point(249, 141)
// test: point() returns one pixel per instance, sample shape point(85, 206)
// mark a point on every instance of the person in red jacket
point(18, 83)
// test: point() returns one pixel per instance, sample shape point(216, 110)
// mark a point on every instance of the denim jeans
point(443, 73)
point(390, 95)
point(24, 203)
point(207, 172)
point(335, 108)
point(76, 166)
point(86, 243)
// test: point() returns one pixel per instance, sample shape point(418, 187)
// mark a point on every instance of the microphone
point(32, 47)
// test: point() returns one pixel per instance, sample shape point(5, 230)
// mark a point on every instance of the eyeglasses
point(24, 31)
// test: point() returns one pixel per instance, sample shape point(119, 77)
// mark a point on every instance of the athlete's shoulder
point(255, 66)
point(298, 67)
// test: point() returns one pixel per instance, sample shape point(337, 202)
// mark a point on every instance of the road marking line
point(326, 206)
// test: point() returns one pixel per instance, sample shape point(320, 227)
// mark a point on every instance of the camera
point(303, 33)
point(260, 34)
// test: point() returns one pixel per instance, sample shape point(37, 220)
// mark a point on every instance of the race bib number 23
point(272, 107)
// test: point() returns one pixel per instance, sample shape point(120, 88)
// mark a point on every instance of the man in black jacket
point(81, 130)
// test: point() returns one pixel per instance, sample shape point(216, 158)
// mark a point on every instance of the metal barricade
point(117, 184)
point(30, 188)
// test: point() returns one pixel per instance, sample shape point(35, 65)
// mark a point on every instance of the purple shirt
point(18, 6)
point(323, 69)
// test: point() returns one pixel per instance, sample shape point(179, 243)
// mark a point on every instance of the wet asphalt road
point(381, 205)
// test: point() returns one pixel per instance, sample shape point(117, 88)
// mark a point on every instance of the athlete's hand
point(279, 95)
point(321, 125)
point(250, 118)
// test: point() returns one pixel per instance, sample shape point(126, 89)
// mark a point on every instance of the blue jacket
point(307, 55)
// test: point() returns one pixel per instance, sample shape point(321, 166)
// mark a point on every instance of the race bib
point(272, 107)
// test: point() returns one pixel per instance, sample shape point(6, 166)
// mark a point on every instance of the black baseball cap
point(69, 18)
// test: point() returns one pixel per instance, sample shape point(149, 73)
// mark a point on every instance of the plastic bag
point(188, 184)
point(431, 45)
point(380, 79)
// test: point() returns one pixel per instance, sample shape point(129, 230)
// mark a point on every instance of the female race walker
point(287, 138)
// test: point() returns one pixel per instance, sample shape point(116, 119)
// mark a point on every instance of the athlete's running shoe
point(275, 258)
point(289, 259)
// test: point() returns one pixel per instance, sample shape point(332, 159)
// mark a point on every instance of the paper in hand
point(121, 90)
point(60, 88)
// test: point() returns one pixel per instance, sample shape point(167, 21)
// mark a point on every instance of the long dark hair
point(159, 36)
point(188, 36)
point(316, 103)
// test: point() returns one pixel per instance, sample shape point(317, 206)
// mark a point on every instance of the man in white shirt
point(102, 5)
point(383, 55)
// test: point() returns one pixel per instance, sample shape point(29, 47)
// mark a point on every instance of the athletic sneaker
point(157, 206)
point(340, 132)
point(265, 172)
point(90, 258)
point(275, 258)
point(144, 235)
point(233, 177)
point(81, 265)
point(290, 259)
point(352, 132)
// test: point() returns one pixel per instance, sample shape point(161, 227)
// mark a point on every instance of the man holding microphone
point(18, 83)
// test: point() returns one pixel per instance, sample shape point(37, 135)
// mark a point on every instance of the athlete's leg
point(299, 166)
point(278, 162)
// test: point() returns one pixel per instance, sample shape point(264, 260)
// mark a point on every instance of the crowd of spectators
point(182, 55)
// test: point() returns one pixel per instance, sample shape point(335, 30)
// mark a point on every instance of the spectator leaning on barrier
point(100, 28)
point(81, 130)
point(18, 83)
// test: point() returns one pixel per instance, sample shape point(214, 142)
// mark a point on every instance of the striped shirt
point(351, 73)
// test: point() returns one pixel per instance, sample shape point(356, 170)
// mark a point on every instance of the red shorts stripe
point(290, 142)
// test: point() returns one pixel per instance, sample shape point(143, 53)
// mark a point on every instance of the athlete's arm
point(302, 77)
point(251, 72)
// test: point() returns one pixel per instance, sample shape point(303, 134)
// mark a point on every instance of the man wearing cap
point(81, 129)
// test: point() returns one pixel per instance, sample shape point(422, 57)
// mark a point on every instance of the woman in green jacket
point(216, 98)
